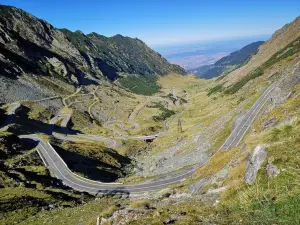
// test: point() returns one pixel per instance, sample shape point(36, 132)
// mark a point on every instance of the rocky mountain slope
point(121, 54)
point(32, 47)
point(228, 63)
point(280, 39)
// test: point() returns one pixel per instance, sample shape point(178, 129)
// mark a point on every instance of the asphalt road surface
point(58, 167)
point(240, 130)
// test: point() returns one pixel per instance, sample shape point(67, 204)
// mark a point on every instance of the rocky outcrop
point(29, 45)
point(254, 163)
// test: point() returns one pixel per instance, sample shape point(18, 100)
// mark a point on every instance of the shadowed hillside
point(228, 63)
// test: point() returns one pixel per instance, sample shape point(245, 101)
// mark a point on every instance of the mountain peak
point(74, 56)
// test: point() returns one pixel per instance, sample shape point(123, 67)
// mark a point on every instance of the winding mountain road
point(58, 167)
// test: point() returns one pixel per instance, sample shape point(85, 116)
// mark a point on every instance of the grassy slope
point(286, 53)
point(143, 85)
point(206, 109)
point(267, 201)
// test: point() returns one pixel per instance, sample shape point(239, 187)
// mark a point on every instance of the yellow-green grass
point(9, 195)
point(38, 111)
point(279, 114)
point(137, 204)
point(178, 81)
point(64, 100)
point(268, 200)
point(17, 158)
point(66, 110)
point(96, 150)
point(86, 213)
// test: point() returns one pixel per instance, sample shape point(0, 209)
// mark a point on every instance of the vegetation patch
point(26, 185)
point(166, 113)
point(138, 84)
point(217, 88)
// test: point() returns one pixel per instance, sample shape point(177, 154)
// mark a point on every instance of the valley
point(105, 129)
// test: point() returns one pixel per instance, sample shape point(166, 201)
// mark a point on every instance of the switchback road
point(58, 167)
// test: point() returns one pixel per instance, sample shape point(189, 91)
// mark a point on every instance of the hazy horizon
point(165, 22)
point(197, 54)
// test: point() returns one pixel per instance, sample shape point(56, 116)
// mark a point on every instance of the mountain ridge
point(229, 62)
point(76, 64)
point(280, 38)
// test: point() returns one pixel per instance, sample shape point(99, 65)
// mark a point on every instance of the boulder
point(254, 163)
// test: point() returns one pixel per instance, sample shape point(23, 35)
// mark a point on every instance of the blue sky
point(164, 22)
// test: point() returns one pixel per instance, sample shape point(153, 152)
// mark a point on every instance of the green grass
point(94, 161)
point(238, 85)
point(269, 201)
point(140, 84)
point(217, 88)
point(166, 113)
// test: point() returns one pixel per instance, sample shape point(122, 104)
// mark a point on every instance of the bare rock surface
point(254, 163)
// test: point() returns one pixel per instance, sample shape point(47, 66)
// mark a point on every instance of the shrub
point(241, 83)
point(287, 130)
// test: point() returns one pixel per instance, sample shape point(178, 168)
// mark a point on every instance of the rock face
point(121, 54)
point(31, 46)
point(254, 163)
